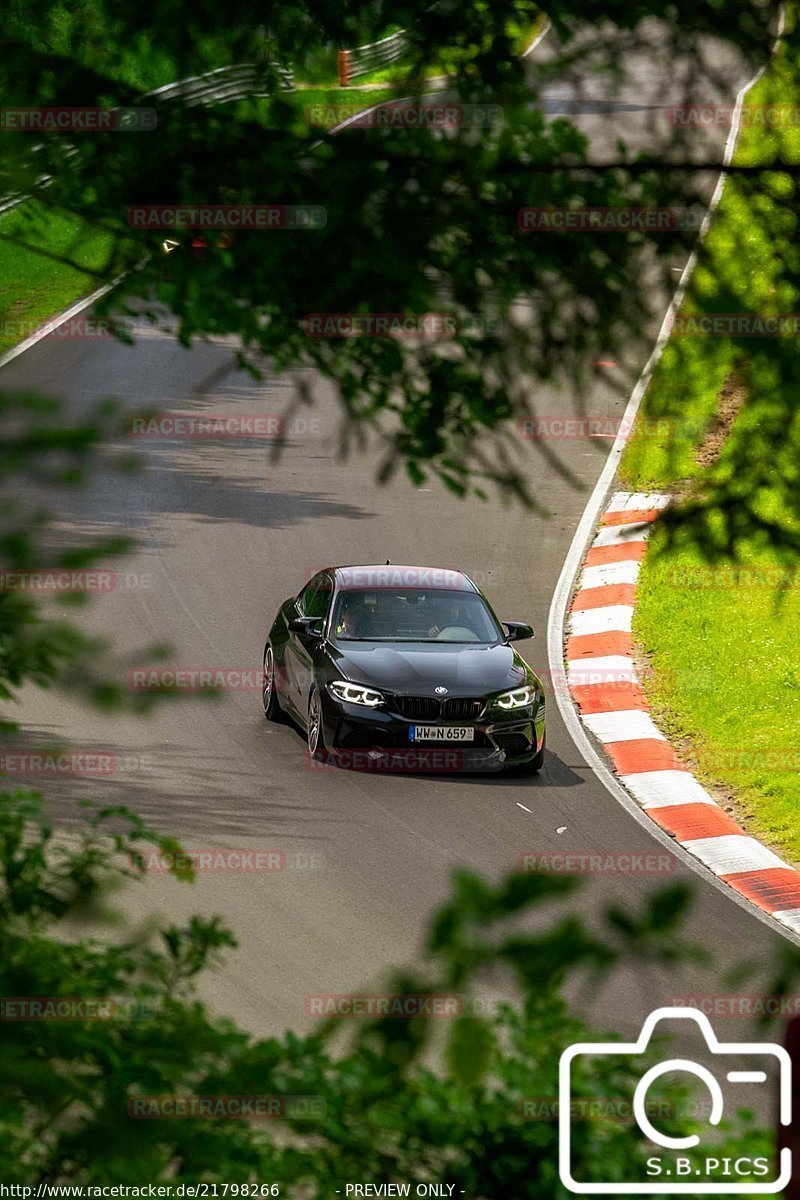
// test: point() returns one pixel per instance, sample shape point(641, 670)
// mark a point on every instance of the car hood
point(417, 668)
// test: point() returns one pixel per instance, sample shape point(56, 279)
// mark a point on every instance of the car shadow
point(555, 772)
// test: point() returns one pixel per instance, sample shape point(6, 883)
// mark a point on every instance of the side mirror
point(306, 626)
point(517, 631)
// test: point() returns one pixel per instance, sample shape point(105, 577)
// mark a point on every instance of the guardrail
point(368, 58)
point(243, 81)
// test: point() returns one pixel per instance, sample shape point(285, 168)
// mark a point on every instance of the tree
point(453, 1104)
point(470, 1101)
point(416, 222)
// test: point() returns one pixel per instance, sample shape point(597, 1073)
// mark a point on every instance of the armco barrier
point(242, 81)
point(371, 57)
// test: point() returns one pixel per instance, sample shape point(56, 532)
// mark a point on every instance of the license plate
point(441, 733)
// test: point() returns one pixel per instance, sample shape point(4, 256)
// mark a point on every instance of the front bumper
point(355, 734)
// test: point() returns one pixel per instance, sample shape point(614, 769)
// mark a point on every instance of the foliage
point(416, 222)
point(469, 1100)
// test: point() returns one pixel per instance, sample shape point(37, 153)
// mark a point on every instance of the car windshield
point(413, 615)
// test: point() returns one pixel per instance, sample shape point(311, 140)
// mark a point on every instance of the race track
point(226, 533)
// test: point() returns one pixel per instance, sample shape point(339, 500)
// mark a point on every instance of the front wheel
point(316, 737)
point(269, 695)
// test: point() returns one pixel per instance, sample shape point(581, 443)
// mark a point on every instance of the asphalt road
point(225, 534)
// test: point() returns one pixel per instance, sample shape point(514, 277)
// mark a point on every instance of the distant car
point(197, 243)
point(390, 658)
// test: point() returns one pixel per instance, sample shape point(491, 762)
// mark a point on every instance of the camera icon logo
point(671, 1172)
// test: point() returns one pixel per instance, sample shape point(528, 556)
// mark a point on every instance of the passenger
point(444, 613)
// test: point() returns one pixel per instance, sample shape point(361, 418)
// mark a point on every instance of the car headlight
point(520, 698)
point(354, 693)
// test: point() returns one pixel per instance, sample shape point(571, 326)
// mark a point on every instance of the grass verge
point(723, 638)
point(33, 285)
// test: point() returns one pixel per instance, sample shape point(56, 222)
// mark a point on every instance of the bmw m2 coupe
point(382, 659)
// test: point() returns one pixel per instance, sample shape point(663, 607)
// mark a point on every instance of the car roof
point(367, 575)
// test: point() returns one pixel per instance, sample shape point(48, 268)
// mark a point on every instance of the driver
point(351, 618)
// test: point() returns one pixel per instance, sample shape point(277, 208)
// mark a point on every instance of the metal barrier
point(371, 57)
point(243, 81)
point(240, 82)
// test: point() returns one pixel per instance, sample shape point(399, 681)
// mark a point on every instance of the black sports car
point(378, 660)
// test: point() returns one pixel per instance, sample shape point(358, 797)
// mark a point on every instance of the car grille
point(427, 708)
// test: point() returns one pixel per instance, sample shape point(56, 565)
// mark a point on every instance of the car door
point(314, 601)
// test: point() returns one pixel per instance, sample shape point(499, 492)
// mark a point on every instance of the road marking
point(732, 854)
point(540, 36)
point(621, 535)
point(614, 618)
point(614, 709)
point(628, 725)
point(631, 501)
point(626, 571)
point(665, 788)
point(52, 323)
point(609, 595)
point(608, 668)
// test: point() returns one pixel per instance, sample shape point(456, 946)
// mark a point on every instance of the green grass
point(726, 682)
point(33, 286)
point(397, 72)
point(336, 97)
point(725, 647)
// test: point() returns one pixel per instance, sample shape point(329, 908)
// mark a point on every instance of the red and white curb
point(607, 693)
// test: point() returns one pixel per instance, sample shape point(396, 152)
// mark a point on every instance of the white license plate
point(442, 733)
